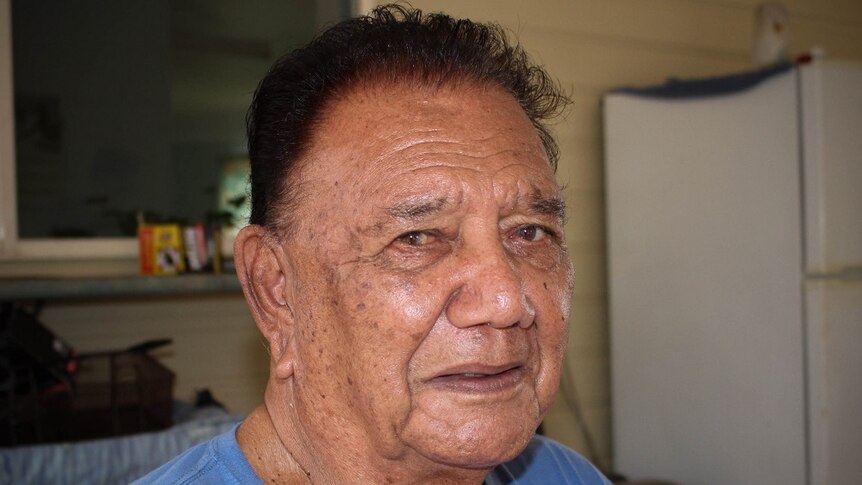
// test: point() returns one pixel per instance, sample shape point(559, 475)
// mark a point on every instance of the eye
point(532, 233)
point(415, 238)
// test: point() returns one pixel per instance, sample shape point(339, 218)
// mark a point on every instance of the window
point(122, 109)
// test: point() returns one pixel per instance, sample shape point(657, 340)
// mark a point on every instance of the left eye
point(532, 233)
point(415, 238)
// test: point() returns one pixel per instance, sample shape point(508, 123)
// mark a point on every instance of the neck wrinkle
point(296, 458)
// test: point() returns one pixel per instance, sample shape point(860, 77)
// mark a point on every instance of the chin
point(477, 444)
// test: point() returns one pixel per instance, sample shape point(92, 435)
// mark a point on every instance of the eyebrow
point(551, 206)
point(418, 208)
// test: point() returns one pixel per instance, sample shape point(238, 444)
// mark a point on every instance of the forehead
point(394, 142)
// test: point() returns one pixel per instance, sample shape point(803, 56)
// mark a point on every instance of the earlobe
point(284, 366)
point(264, 273)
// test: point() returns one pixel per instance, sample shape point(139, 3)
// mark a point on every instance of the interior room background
point(590, 46)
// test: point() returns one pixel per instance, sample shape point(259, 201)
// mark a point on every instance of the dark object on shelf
point(148, 345)
point(205, 398)
point(35, 377)
point(119, 393)
point(48, 393)
point(24, 341)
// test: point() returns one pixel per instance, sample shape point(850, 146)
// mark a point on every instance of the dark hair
point(392, 43)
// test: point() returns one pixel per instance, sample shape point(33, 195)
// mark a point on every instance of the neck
point(257, 439)
point(280, 450)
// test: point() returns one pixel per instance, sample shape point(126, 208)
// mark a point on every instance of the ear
point(264, 273)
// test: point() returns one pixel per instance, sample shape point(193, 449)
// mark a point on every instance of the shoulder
point(546, 461)
point(217, 461)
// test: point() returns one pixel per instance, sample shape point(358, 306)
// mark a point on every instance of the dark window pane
point(123, 107)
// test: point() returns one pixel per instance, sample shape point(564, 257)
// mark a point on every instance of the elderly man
point(405, 262)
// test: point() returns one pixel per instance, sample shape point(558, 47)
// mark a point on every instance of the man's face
point(432, 283)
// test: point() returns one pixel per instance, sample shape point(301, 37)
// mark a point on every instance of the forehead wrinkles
point(396, 119)
point(444, 169)
point(473, 143)
point(440, 190)
point(364, 138)
point(412, 159)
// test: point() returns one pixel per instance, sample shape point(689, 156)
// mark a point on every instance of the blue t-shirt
point(220, 461)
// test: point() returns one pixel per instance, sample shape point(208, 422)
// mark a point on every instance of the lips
point(478, 378)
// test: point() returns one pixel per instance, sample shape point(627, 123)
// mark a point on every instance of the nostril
point(480, 304)
point(490, 291)
point(510, 309)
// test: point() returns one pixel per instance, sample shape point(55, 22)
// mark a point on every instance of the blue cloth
point(111, 461)
point(546, 462)
point(220, 461)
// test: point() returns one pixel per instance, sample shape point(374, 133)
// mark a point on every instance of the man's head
point(416, 305)
point(392, 44)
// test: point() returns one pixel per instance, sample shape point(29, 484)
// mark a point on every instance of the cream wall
point(590, 46)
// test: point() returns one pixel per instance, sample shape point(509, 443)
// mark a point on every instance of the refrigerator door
point(834, 308)
point(831, 110)
point(704, 261)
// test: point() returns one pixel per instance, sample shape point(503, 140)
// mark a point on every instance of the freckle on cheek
point(545, 284)
point(329, 275)
point(360, 306)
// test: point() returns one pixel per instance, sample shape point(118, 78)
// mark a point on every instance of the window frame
point(11, 246)
point(15, 249)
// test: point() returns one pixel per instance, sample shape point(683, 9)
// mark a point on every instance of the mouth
point(479, 379)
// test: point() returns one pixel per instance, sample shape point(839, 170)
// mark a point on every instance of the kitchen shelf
point(67, 288)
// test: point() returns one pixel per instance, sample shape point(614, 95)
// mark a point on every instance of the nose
point(489, 290)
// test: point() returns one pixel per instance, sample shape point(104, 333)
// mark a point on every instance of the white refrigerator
point(734, 226)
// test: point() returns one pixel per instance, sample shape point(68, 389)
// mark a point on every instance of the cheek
point(384, 320)
point(551, 295)
point(550, 292)
point(398, 306)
